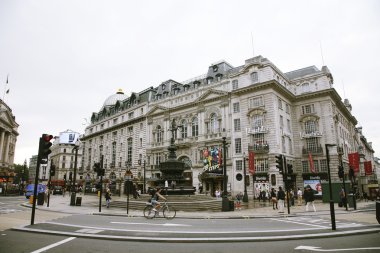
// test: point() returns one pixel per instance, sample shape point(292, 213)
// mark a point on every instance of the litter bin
point(31, 199)
point(41, 198)
point(78, 201)
point(350, 200)
point(231, 205)
point(378, 211)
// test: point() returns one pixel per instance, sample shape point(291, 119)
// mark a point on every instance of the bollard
point(378, 211)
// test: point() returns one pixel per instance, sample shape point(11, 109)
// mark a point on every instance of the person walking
point(239, 197)
point(299, 197)
point(309, 198)
point(281, 199)
point(342, 197)
point(274, 198)
point(108, 198)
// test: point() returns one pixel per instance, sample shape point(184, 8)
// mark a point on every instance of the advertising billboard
point(315, 185)
point(68, 138)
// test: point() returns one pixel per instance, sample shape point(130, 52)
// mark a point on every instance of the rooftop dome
point(111, 100)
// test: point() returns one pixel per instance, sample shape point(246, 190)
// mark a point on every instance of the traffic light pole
point(286, 183)
point(101, 184)
point(49, 186)
point(35, 192)
point(73, 185)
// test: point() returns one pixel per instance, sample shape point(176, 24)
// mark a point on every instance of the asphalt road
point(17, 242)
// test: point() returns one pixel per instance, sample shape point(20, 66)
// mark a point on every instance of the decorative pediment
point(157, 109)
point(308, 117)
point(7, 118)
point(211, 94)
point(256, 111)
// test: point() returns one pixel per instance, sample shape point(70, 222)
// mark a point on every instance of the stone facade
point(255, 106)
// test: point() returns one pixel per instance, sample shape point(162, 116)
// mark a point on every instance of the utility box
point(336, 187)
point(41, 198)
point(78, 201)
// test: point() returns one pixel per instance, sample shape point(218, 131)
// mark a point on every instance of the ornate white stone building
point(256, 106)
point(8, 139)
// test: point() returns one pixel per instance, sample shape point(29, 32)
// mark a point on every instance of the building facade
point(261, 111)
point(8, 139)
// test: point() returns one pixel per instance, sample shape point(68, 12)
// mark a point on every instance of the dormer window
point(196, 84)
point(235, 84)
point(305, 87)
point(209, 80)
point(219, 77)
point(163, 86)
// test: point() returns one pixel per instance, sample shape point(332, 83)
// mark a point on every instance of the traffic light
point(71, 176)
point(44, 148)
point(290, 169)
point(351, 173)
point(96, 167)
point(280, 163)
point(340, 171)
point(52, 170)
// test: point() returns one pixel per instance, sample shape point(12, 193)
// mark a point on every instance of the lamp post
point(332, 211)
point(225, 202)
point(245, 196)
point(144, 185)
point(73, 186)
point(340, 154)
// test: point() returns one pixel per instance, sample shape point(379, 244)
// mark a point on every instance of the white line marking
point(301, 223)
point(89, 231)
point(312, 248)
point(53, 245)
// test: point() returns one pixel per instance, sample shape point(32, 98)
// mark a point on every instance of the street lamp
point(245, 196)
point(144, 185)
point(225, 202)
point(73, 186)
point(332, 211)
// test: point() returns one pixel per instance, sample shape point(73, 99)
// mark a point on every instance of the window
point(288, 125)
point(141, 142)
point(261, 165)
point(235, 84)
point(236, 107)
point(310, 127)
point(283, 144)
point(218, 77)
point(258, 139)
point(209, 80)
point(290, 147)
point(323, 165)
point(158, 134)
point(257, 121)
point(312, 145)
point(129, 150)
point(194, 127)
point(281, 122)
point(214, 124)
point(287, 108)
point(130, 115)
point(306, 109)
point(256, 102)
point(113, 159)
point(254, 77)
point(130, 130)
point(238, 145)
point(239, 165)
point(279, 103)
point(237, 125)
point(183, 129)
point(115, 121)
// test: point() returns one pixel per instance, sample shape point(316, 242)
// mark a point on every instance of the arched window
point(158, 134)
point(183, 129)
point(254, 77)
point(214, 124)
point(310, 126)
point(257, 121)
point(194, 127)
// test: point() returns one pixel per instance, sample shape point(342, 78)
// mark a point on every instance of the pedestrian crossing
point(10, 207)
point(320, 222)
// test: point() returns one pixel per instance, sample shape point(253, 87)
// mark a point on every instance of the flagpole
point(5, 88)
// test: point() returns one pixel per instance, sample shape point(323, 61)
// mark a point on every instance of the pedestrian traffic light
point(96, 167)
point(290, 169)
point(71, 176)
point(44, 148)
point(280, 163)
point(340, 171)
point(52, 170)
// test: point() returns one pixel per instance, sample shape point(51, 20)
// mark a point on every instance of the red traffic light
point(47, 137)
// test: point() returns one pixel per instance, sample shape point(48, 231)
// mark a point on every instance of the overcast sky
point(64, 58)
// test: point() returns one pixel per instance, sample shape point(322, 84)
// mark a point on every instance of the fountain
point(172, 179)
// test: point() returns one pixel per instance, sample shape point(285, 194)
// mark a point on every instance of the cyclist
point(155, 197)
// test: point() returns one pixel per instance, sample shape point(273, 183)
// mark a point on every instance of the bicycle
point(168, 212)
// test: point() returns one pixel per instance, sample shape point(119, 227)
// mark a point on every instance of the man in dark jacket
point(281, 199)
point(309, 198)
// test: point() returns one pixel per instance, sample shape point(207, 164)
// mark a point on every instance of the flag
point(7, 79)
point(7, 91)
point(311, 162)
point(368, 168)
point(251, 162)
point(353, 161)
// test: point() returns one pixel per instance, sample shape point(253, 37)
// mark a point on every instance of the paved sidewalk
point(365, 211)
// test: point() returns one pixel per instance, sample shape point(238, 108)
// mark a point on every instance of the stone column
point(2, 144)
point(6, 154)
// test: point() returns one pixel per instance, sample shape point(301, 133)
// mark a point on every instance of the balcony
point(314, 134)
point(259, 148)
point(257, 130)
point(314, 151)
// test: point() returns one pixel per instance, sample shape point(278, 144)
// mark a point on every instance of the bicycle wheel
point(149, 213)
point(169, 212)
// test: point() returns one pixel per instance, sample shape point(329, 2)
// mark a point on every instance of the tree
point(22, 173)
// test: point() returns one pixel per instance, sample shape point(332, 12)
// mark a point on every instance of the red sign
point(368, 168)
point(251, 162)
point(311, 162)
point(353, 160)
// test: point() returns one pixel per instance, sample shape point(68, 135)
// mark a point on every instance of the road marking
point(312, 248)
point(152, 224)
point(301, 223)
point(53, 245)
point(89, 231)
